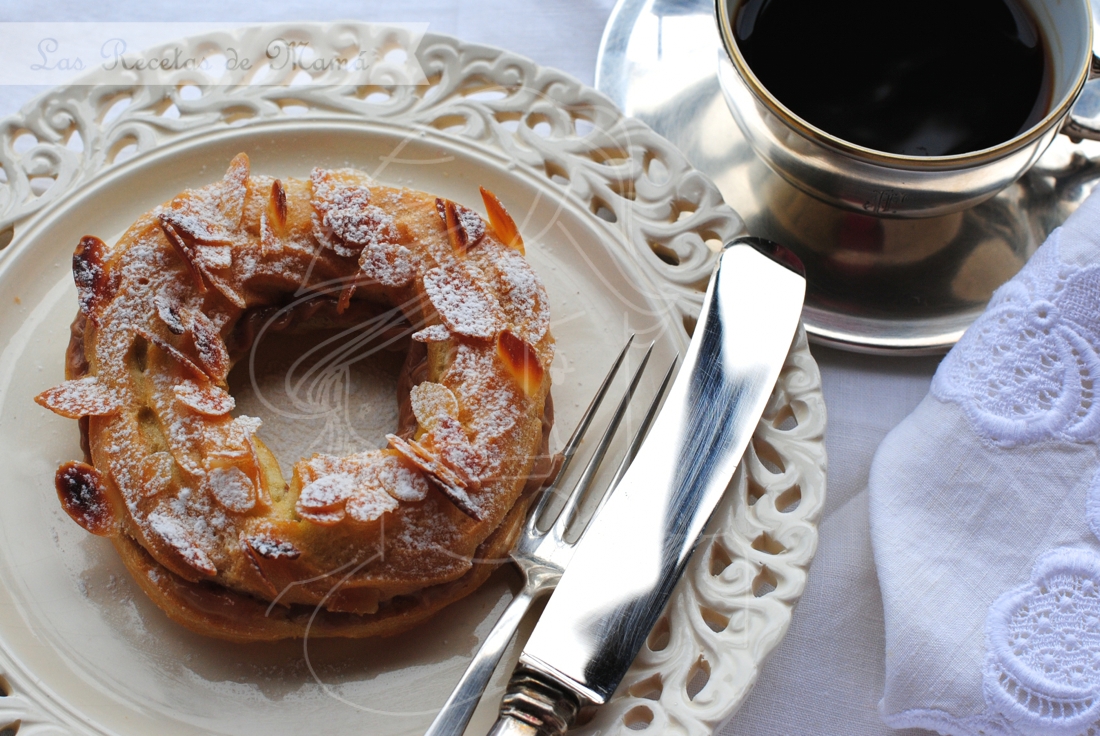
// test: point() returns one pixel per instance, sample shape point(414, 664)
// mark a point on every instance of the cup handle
point(1081, 128)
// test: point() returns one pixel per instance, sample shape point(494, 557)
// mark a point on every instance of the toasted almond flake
point(174, 353)
point(401, 481)
point(175, 535)
point(232, 440)
point(326, 493)
point(273, 549)
point(212, 353)
point(415, 453)
point(345, 220)
point(196, 241)
point(231, 488)
point(88, 273)
point(207, 399)
point(278, 203)
point(521, 295)
point(432, 333)
point(504, 227)
point(448, 482)
point(389, 265)
point(82, 397)
point(183, 249)
point(460, 240)
point(168, 309)
point(432, 402)
point(521, 361)
point(234, 189)
point(465, 228)
point(156, 474)
point(370, 504)
point(80, 489)
point(462, 303)
point(448, 439)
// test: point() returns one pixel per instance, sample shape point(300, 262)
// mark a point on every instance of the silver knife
point(636, 548)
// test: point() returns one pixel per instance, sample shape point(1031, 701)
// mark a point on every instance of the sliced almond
point(234, 189)
point(172, 533)
point(400, 480)
point(448, 482)
point(84, 498)
point(504, 227)
point(521, 361)
point(463, 304)
point(231, 488)
point(432, 402)
point(81, 397)
point(370, 504)
point(207, 399)
point(89, 274)
point(432, 333)
point(465, 228)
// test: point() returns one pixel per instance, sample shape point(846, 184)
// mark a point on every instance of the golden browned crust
point(192, 499)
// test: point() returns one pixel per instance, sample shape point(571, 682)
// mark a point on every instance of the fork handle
point(459, 708)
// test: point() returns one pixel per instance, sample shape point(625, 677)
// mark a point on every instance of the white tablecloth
point(827, 675)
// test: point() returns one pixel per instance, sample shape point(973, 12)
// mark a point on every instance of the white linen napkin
point(985, 513)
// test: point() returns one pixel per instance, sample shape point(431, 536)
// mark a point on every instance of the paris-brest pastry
point(191, 498)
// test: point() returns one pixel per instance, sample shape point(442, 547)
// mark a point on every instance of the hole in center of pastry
point(322, 382)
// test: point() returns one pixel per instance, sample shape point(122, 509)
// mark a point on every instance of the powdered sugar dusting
point(345, 219)
point(432, 333)
point(156, 474)
point(231, 488)
point(370, 504)
point(522, 296)
point(83, 397)
point(389, 265)
point(401, 481)
point(273, 549)
point(173, 533)
point(215, 256)
point(322, 501)
point(206, 399)
point(463, 305)
point(432, 402)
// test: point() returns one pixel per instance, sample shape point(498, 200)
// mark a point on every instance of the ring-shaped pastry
point(195, 503)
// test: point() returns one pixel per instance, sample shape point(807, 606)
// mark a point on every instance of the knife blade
point(638, 545)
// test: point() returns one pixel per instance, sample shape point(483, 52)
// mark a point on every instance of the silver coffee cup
point(853, 177)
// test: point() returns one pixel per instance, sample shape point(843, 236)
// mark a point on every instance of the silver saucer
point(875, 285)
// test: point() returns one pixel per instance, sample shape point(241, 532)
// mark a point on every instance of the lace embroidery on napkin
point(1042, 670)
point(1027, 369)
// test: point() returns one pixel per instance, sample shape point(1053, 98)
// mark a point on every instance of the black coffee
point(913, 77)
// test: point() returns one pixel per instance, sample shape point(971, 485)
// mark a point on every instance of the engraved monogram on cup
point(885, 201)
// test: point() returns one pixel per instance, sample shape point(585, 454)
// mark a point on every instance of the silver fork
point(542, 555)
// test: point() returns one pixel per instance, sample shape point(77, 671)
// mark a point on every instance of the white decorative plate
point(622, 232)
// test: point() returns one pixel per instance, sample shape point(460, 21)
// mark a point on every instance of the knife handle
point(535, 706)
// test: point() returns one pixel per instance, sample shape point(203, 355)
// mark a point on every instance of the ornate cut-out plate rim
point(735, 602)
